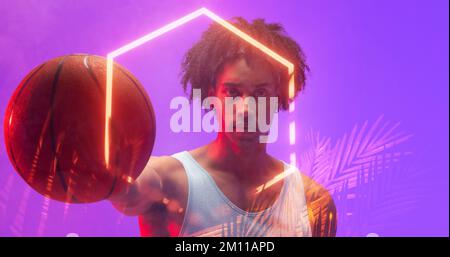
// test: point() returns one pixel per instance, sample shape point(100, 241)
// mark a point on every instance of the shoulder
point(172, 174)
point(315, 191)
point(321, 208)
point(165, 165)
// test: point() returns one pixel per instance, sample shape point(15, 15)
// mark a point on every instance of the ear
point(278, 91)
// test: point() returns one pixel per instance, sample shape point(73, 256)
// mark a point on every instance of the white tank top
point(210, 213)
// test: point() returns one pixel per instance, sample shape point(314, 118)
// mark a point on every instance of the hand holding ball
point(55, 124)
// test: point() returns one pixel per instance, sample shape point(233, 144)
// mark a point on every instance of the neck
point(247, 161)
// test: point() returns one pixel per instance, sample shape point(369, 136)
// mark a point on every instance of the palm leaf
point(366, 174)
point(331, 165)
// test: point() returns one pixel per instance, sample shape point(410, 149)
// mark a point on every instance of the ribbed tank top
point(210, 213)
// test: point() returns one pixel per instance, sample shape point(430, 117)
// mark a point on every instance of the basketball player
point(213, 190)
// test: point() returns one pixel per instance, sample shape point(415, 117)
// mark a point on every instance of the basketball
point(55, 129)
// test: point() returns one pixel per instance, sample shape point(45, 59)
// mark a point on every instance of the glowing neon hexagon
point(173, 25)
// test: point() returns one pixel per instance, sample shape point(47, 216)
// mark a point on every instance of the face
point(247, 82)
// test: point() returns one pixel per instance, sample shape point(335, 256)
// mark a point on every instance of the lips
point(245, 128)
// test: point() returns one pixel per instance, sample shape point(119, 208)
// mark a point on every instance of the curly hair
point(218, 46)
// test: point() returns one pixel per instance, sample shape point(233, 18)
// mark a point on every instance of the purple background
point(384, 61)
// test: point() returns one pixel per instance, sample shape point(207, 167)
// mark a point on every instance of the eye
point(261, 92)
point(232, 92)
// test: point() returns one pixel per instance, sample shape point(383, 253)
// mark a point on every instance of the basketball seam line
point(54, 85)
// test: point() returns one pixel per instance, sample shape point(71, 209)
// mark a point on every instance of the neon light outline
point(173, 25)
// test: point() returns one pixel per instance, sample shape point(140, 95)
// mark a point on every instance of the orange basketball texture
point(55, 123)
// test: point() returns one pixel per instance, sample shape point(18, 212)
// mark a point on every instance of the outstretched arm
point(141, 194)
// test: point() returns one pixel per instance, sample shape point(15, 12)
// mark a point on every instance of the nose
point(246, 110)
point(243, 106)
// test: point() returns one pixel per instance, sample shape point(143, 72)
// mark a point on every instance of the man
point(222, 188)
